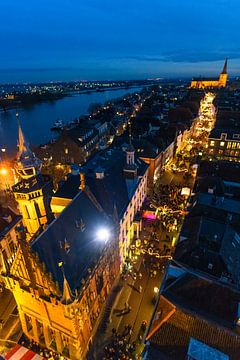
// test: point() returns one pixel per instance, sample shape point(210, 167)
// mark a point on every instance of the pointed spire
point(67, 297)
point(224, 71)
point(21, 141)
point(25, 157)
point(130, 148)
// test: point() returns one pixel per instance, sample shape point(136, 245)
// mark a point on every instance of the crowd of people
point(45, 353)
point(170, 202)
point(120, 347)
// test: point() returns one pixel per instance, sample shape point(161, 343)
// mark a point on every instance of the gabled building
point(195, 318)
point(117, 180)
point(33, 191)
point(221, 81)
point(62, 269)
point(209, 238)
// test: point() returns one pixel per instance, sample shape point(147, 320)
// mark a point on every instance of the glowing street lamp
point(103, 234)
point(155, 290)
point(3, 171)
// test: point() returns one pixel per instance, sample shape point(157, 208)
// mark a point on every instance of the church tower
point(34, 190)
point(130, 168)
point(223, 76)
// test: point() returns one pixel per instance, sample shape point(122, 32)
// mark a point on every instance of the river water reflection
point(37, 119)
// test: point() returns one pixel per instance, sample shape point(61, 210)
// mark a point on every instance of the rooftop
point(71, 239)
point(8, 219)
point(206, 298)
point(194, 308)
point(112, 189)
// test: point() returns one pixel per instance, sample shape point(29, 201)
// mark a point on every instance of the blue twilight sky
point(45, 40)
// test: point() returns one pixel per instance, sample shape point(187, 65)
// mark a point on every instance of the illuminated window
point(234, 145)
point(66, 151)
point(212, 143)
point(222, 143)
point(229, 145)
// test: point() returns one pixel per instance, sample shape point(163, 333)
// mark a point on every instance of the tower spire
point(67, 297)
point(27, 165)
point(22, 146)
point(224, 71)
point(130, 149)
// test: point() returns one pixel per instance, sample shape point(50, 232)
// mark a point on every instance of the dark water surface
point(36, 120)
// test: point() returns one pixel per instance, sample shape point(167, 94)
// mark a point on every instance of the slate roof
point(114, 189)
point(6, 214)
point(194, 307)
point(225, 170)
point(69, 188)
point(71, 239)
point(206, 298)
point(172, 338)
point(147, 149)
point(78, 132)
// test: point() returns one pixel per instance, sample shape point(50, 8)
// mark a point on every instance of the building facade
point(224, 144)
point(34, 190)
point(201, 83)
point(9, 221)
point(62, 269)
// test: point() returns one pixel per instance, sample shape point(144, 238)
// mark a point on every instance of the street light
point(3, 171)
point(155, 290)
point(103, 234)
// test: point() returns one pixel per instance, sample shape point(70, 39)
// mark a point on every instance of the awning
point(21, 353)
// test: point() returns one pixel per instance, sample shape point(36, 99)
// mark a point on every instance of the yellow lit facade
point(202, 83)
point(52, 314)
point(33, 191)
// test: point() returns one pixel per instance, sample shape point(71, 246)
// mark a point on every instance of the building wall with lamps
point(224, 144)
point(60, 280)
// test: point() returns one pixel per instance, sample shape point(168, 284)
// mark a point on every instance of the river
point(36, 120)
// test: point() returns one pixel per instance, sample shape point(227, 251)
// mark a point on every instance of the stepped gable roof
point(70, 239)
point(232, 134)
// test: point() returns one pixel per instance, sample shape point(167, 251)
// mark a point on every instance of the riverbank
point(29, 100)
point(38, 118)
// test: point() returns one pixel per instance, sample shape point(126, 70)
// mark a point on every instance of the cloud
point(190, 56)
